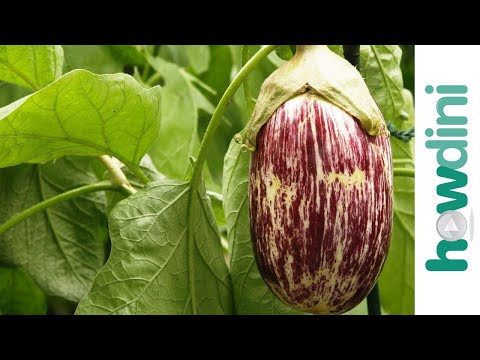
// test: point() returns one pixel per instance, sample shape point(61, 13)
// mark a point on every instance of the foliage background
point(193, 79)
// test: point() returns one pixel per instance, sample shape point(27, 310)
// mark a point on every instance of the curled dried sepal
point(315, 69)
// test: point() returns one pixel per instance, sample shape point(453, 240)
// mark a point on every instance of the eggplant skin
point(321, 206)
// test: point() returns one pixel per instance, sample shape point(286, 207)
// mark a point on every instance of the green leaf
point(219, 70)
point(128, 54)
point(360, 309)
point(205, 109)
point(201, 101)
point(81, 114)
point(409, 110)
point(195, 58)
point(238, 112)
point(218, 78)
point(199, 57)
point(284, 52)
point(165, 259)
point(217, 205)
point(258, 76)
point(397, 278)
point(174, 54)
point(178, 138)
point(30, 66)
point(408, 66)
point(337, 49)
point(95, 58)
point(275, 59)
point(251, 295)
point(19, 295)
point(380, 67)
point(404, 153)
point(10, 92)
point(62, 248)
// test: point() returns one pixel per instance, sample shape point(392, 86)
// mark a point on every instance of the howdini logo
point(451, 145)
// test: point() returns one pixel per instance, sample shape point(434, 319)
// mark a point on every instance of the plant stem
point(404, 172)
point(246, 84)
point(202, 156)
point(222, 105)
point(104, 185)
point(373, 301)
point(116, 174)
point(139, 173)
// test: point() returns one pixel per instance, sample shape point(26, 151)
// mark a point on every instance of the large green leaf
point(397, 278)
point(30, 66)
point(62, 248)
point(19, 295)
point(251, 295)
point(380, 67)
point(178, 138)
point(81, 114)
point(165, 259)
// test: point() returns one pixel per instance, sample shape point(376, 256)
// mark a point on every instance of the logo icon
point(451, 225)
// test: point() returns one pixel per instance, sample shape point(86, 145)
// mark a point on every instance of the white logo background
point(445, 292)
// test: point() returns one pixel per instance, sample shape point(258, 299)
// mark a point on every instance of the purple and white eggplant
point(321, 184)
point(320, 206)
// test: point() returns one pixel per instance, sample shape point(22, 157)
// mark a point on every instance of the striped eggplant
point(320, 206)
point(321, 188)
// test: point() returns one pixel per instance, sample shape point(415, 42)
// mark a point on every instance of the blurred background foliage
point(408, 67)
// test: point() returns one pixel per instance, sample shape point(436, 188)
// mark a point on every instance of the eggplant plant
point(161, 179)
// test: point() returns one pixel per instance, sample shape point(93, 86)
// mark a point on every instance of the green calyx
point(317, 70)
